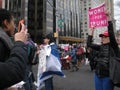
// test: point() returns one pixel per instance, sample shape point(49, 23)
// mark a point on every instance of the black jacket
point(115, 57)
point(13, 65)
point(113, 42)
point(4, 51)
point(103, 58)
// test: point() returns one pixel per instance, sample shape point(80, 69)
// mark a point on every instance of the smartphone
point(20, 25)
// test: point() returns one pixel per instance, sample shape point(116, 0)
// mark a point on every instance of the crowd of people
point(18, 55)
point(73, 57)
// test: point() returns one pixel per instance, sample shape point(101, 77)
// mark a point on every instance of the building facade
point(17, 7)
point(68, 20)
point(85, 6)
point(61, 17)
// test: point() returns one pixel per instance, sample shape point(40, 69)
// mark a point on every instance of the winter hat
point(105, 33)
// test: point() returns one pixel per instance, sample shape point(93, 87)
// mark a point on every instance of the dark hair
point(4, 15)
point(51, 37)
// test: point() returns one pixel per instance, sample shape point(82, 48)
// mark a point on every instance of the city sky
point(117, 13)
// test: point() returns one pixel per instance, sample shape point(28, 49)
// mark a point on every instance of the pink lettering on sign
point(97, 17)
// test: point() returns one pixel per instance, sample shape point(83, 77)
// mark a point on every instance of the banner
point(97, 17)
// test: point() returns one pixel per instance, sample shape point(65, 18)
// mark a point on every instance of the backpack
point(114, 69)
point(32, 55)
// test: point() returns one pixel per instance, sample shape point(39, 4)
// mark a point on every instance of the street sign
point(60, 26)
point(60, 23)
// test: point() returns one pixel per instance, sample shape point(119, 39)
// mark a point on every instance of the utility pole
point(36, 8)
point(54, 17)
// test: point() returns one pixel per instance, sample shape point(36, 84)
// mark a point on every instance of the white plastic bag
point(86, 61)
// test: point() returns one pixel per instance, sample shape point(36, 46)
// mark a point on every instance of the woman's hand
point(92, 31)
point(21, 36)
point(108, 14)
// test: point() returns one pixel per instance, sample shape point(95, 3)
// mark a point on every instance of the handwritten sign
point(97, 17)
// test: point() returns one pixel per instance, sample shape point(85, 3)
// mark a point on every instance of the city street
point(81, 80)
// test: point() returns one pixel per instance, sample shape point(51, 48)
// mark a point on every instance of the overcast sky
point(117, 13)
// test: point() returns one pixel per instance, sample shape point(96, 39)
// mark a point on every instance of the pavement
point(80, 80)
point(83, 79)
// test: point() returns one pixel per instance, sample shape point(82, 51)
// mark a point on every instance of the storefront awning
point(71, 39)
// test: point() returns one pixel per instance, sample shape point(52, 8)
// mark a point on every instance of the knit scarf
point(6, 39)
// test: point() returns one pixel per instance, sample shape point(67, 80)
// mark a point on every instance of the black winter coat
point(103, 59)
point(12, 64)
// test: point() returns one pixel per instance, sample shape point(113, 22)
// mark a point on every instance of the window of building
point(82, 33)
point(85, 29)
point(85, 22)
point(85, 19)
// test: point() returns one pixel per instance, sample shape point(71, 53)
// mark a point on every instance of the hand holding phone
point(20, 25)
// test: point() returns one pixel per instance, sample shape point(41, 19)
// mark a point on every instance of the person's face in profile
point(9, 26)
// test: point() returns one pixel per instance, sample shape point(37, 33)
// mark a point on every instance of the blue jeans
point(28, 83)
point(49, 84)
point(103, 83)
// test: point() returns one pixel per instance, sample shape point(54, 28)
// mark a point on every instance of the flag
point(53, 66)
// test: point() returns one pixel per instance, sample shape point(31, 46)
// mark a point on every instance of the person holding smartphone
point(13, 56)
